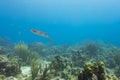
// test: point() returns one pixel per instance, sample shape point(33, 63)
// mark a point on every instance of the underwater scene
point(59, 39)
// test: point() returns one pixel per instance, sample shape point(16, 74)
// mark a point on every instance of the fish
point(41, 33)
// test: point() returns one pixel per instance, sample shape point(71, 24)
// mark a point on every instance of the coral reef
point(9, 67)
point(78, 57)
point(60, 63)
point(117, 71)
point(93, 71)
point(37, 61)
point(91, 49)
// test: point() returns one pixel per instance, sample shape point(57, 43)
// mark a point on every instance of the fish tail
point(51, 41)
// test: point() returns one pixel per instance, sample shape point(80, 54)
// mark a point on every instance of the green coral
point(88, 70)
point(92, 70)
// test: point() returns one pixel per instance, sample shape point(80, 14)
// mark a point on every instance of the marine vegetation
point(22, 51)
point(113, 57)
point(40, 73)
point(35, 68)
point(60, 63)
point(93, 71)
point(39, 48)
point(9, 67)
point(91, 48)
point(117, 71)
point(2, 77)
point(46, 74)
point(38, 61)
point(78, 57)
point(62, 67)
point(3, 50)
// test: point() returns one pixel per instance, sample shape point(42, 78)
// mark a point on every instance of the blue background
point(66, 21)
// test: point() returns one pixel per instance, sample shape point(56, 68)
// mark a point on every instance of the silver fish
point(43, 34)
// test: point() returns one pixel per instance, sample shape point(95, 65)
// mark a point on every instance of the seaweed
point(22, 51)
point(45, 74)
point(35, 67)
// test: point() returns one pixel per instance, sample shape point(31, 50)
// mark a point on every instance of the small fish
point(43, 34)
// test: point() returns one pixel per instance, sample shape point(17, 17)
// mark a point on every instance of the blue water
point(66, 21)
